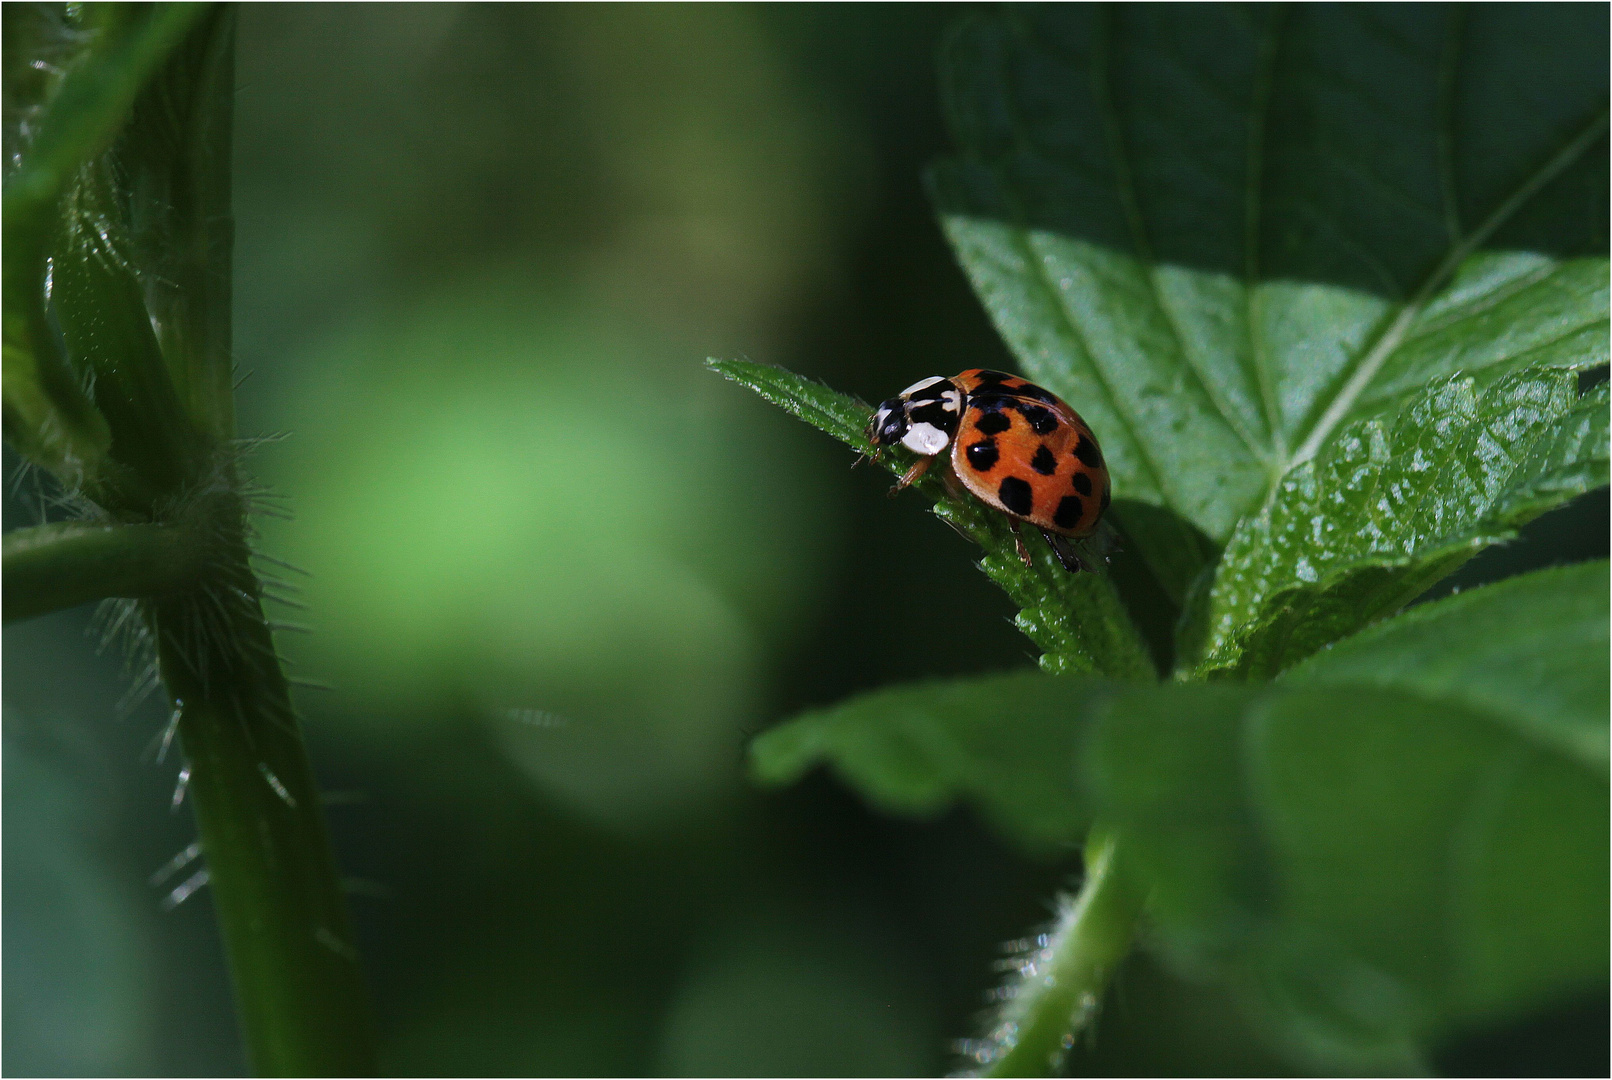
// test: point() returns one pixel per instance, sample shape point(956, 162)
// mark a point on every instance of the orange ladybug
point(1016, 447)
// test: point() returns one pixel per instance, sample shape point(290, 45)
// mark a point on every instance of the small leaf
point(1392, 506)
point(1005, 743)
point(829, 411)
point(1549, 684)
point(1370, 868)
point(1226, 233)
point(1078, 620)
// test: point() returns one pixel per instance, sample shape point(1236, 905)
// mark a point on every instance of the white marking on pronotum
point(925, 439)
point(921, 384)
point(183, 891)
point(176, 864)
point(279, 788)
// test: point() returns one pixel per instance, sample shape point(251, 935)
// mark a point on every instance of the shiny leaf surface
point(1392, 506)
point(1225, 233)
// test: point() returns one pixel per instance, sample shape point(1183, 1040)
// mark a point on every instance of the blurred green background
point(559, 572)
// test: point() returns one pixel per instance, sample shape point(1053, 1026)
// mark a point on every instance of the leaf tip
point(781, 756)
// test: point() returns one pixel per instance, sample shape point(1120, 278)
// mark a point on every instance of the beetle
point(1015, 446)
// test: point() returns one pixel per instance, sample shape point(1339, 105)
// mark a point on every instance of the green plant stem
point(52, 567)
point(122, 389)
point(299, 988)
point(1061, 985)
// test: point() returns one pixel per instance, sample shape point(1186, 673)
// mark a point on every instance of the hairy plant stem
point(299, 989)
point(1060, 983)
point(67, 563)
point(118, 379)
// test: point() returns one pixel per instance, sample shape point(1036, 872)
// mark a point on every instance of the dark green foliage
point(1403, 835)
point(1224, 233)
point(1388, 845)
point(915, 749)
point(1468, 648)
point(1324, 282)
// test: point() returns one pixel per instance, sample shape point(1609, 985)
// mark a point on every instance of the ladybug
point(1017, 447)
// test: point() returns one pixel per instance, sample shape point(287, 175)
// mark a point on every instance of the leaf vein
point(1253, 229)
point(1125, 186)
point(1373, 357)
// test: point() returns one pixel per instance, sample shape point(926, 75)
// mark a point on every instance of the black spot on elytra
point(1016, 495)
point(988, 376)
point(1105, 499)
point(982, 455)
point(1069, 512)
point(1031, 390)
point(1086, 450)
point(1043, 462)
point(1083, 483)
point(992, 423)
point(1042, 422)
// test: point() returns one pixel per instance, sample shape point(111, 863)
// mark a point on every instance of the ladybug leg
point(1018, 542)
point(1065, 551)
point(1090, 554)
point(919, 467)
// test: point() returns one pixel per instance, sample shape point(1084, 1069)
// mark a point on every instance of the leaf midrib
point(1377, 352)
point(1393, 330)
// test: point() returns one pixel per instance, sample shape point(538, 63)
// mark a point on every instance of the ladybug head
point(923, 418)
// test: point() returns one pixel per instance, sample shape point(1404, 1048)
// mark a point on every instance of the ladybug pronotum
point(1016, 447)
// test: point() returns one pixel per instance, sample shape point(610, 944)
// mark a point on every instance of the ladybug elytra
point(1015, 446)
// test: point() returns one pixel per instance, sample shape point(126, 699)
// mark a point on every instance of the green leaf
point(1078, 620)
point(1225, 234)
point(1404, 836)
point(1005, 743)
point(1549, 684)
point(1371, 868)
point(1392, 506)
